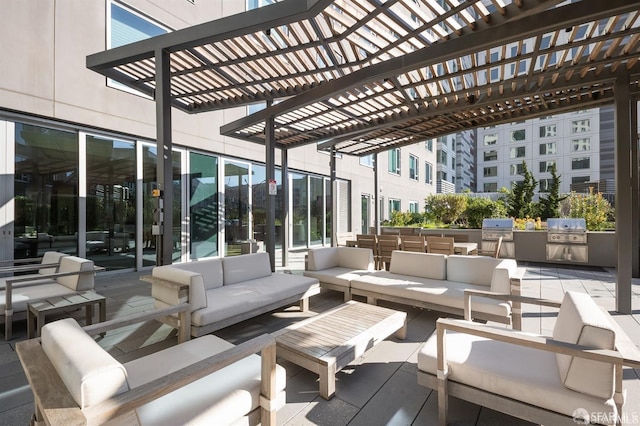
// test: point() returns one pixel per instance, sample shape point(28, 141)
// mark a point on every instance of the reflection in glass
point(328, 204)
point(46, 191)
point(204, 205)
point(236, 207)
point(150, 182)
point(259, 194)
point(111, 202)
point(316, 210)
point(300, 204)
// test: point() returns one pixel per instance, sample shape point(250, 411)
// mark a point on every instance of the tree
point(446, 208)
point(519, 200)
point(550, 205)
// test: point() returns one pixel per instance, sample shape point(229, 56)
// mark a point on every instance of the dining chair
point(413, 243)
point(441, 245)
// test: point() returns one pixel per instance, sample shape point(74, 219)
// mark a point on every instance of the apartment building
point(79, 157)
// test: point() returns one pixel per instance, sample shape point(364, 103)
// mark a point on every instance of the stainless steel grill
point(492, 229)
point(567, 239)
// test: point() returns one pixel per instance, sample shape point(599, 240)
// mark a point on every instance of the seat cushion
point(22, 295)
point(440, 292)
point(337, 276)
point(219, 398)
point(517, 372)
point(246, 267)
point(580, 321)
point(225, 302)
point(89, 372)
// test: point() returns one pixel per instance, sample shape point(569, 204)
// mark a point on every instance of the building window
point(414, 207)
point(413, 167)
point(548, 131)
point(428, 173)
point(580, 179)
point(442, 175)
point(394, 205)
point(580, 163)
point(367, 160)
point(545, 184)
point(547, 148)
point(580, 126)
point(126, 27)
point(518, 135)
point(394, 161)
point(429, 145)
point(516, 169)
point(517, 152)
point(490, 139)
point(441, 157)
point(583, 144)
point(490, 155)
point(491, 171)
point(490, 187)
point(545, 166)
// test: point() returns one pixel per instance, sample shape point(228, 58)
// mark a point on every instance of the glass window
point(583, 144)
point(548, 131)
point(580, 179)
point(441, 157)
point(204, 205)
point(367, 160)
point(300, 208)
point(579, 126)
point(394, 205)
point(490, 187)
point(516, 169)
point(254, 4)
point(259, 191)
point(580, 163)
point(442, 175)
point(111, 202)
point(490, 139)
point(517, 152)
point(491, 171)
point(490, 155)
point(414, 207)
point(518, 135)
point(45, 190)
point(126, 27)
point(545, 166)
point(547, 148)
point(413, 167)
point(428, 144)
point(428, 173)
point(545, 184)
point(316, 210)
point(394, 161)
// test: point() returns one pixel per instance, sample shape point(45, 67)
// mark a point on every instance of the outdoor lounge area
point(380, 387)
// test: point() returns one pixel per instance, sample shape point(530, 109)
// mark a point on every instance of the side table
point(36, 311)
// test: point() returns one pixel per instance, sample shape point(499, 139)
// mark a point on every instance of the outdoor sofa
point(225, 291)
point(573, 377)
point(204, 381)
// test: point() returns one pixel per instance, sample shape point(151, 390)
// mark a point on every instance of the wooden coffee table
point(36, 311)
point(326, 343)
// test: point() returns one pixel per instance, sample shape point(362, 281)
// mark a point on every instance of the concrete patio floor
point(379, 388)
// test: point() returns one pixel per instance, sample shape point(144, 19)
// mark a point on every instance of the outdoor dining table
point(465, 248)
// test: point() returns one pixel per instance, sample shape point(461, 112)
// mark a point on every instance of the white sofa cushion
point(322, 258)
point(517, 372)
point(90, 374)
point(210, 269)
point(502, 273)
point(48, 258)
point(337, 276)
point(439, 292)
point(424, 265)
point(580, 321)
point(476, 270)
point(219, 398)
point(78, 282)
point(45, 289)
point(237, 269)
point(164, 296)
point(340, 257)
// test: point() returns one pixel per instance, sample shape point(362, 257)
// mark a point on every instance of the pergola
point(361, 77)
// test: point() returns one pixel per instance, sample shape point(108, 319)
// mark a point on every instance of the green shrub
point(446, 208)
point(594, 208)
point(479, 208)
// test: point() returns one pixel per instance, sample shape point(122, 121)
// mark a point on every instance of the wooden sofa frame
point(8, 315)
point(182, 296)
point(626, 354)
point(516, 312)
point(54, 405)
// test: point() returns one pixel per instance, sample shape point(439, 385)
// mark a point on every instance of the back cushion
point(355, 258)
point(246, 267)
point(502, 273)
point(425, 265)
point(78, 282)
point(580, 321)
point(210, 269)
point(50, 257)
point(322, 258)
point(476, 270)
point(90, 374)
point(173, 273)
